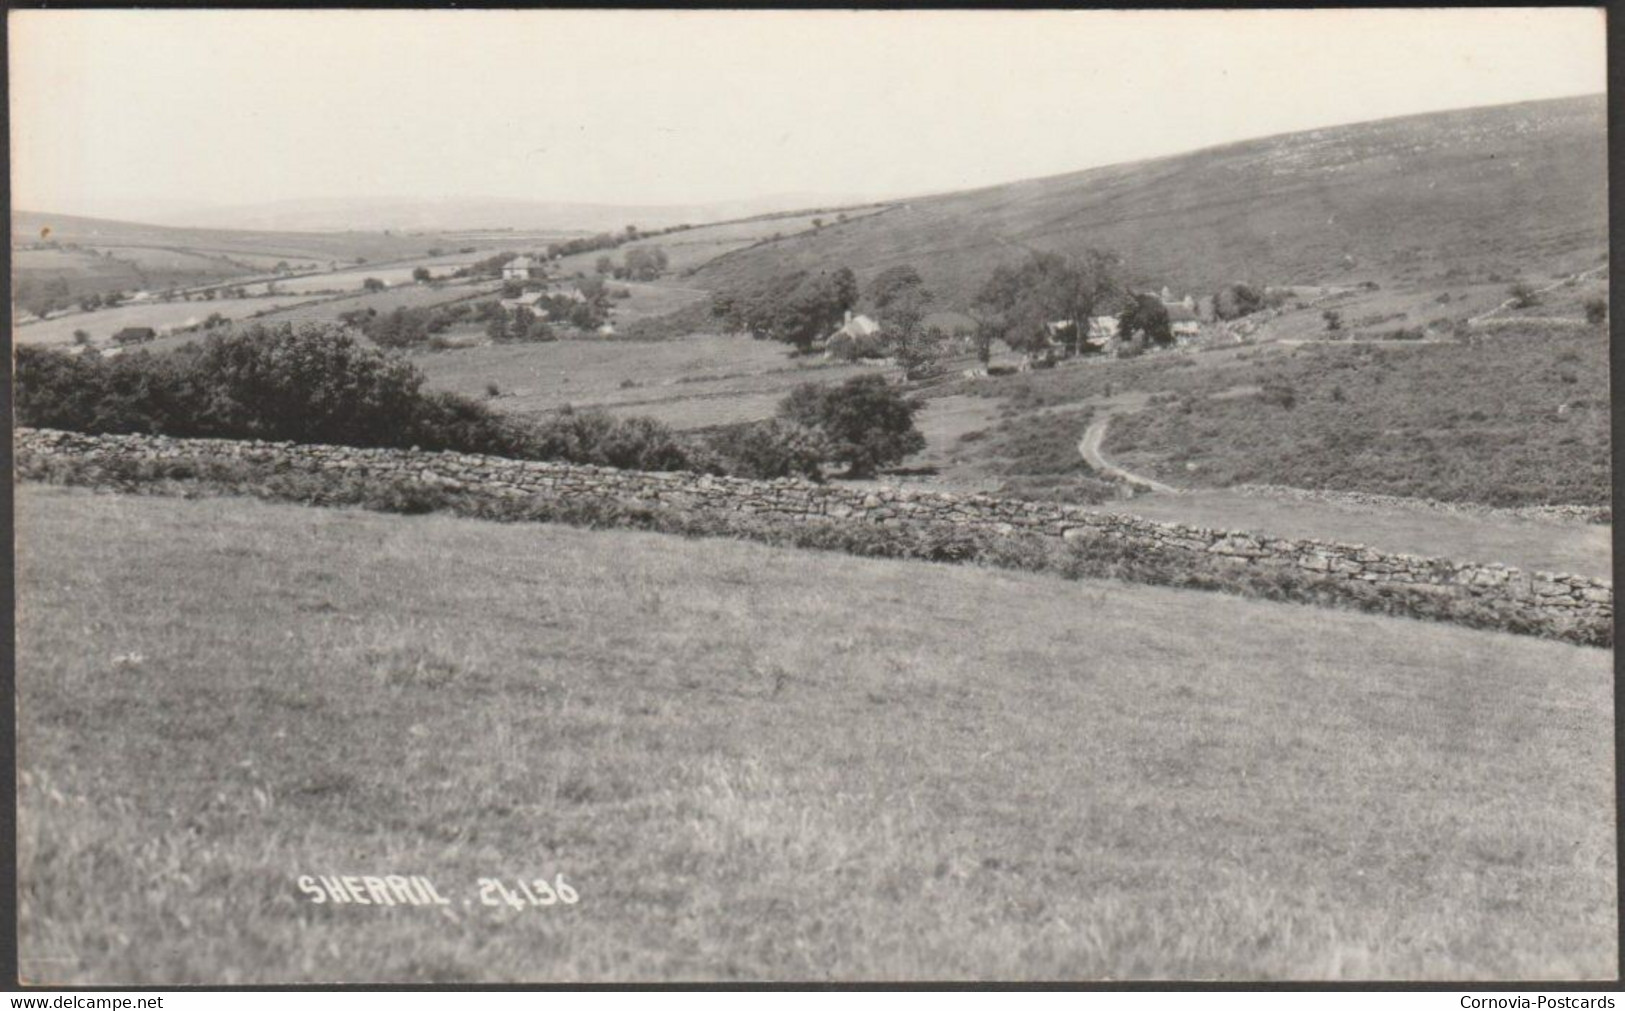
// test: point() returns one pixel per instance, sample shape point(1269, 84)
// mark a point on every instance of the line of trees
point(798, 308)
point(405, 326)
point(1022, 302)
point(317, 383)
point(642, 263)
point(313, 384)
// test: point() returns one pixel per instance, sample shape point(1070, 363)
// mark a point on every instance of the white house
point(858, 337)
point(520, 268)
point(528, 300)
point(856, 326)
point(1102, 328)
point(1058, 327)
point(1183, 321)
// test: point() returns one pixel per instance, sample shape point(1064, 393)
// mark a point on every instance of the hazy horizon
point(155, 115)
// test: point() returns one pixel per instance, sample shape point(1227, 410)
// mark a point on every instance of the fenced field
point(161, 316)
point(692, 382)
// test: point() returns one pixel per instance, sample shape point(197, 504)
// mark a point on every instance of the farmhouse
point(1183, 321)
point(520, 268)
point(858, 337)
point(529, 301)
point(856, 327)
point(135, 335)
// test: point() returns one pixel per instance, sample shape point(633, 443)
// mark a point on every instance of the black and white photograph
point(853, 497)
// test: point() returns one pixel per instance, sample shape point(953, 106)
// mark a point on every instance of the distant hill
point(459, 214)
point(1494, 188)
point(30, 227)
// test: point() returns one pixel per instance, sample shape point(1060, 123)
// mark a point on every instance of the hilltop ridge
point(1483, 188)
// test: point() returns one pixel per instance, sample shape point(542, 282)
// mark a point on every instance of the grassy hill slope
point(1480, 190)
point(31, 227)
point(753, 764)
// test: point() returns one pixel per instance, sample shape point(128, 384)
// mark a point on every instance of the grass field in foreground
point(753, 763)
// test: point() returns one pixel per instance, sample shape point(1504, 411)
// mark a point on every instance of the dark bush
point(868, 423)
point(1236, 300)
point(601, 439)
point(314, 384)
point(1278, 394)
point(1523, 295)
point(773, 448)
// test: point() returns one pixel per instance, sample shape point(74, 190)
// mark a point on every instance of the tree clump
point(799, 308)
point(868, 423)
point(1047, 300)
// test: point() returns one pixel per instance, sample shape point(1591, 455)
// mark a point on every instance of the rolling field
point(301, 309)
point(692, 382)
point(692, 248)
point(412, 296)
point(173, 264)
point(650, 300)
point(757, 764)
point(83, 271)
point(320, 247)
point(161, 316)
point(352, 280)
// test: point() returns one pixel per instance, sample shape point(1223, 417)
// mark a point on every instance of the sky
point(132, 110)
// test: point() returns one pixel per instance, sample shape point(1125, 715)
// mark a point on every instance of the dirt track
point(1089, 446)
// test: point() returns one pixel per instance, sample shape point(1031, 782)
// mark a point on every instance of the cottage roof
point(858, 326)
point(520, 263)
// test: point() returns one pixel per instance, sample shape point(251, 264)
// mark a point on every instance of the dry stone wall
point(1545, 596)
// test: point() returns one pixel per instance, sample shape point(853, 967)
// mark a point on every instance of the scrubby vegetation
point(1514, 417)
point(776, 447)
point(1511, 419)
point(599, 438)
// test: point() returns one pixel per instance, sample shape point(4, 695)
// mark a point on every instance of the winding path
point(1089, 446)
